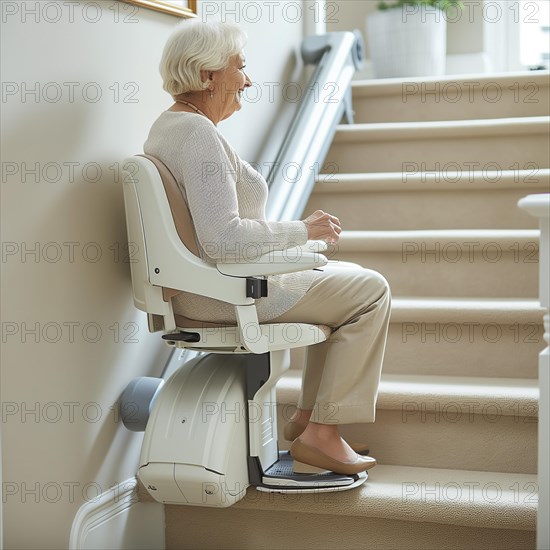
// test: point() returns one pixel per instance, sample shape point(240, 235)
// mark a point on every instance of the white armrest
point(290, 260)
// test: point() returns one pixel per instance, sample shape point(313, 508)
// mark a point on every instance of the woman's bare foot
point(326, 438)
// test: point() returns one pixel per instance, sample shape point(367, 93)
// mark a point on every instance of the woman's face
point(229, 85)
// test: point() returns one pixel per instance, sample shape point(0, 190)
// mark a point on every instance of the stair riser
point(464, 349)
point(450, 268)
point(266, 530)
point(386, 211)
point(451, 101)
point(459, 349)
point(453, 436)
point(439, 154)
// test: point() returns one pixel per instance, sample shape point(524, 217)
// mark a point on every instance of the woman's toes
point(347, 453)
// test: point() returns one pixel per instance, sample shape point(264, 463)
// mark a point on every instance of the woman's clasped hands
point(323, 226)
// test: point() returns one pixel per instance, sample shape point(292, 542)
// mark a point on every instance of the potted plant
point(409, 37)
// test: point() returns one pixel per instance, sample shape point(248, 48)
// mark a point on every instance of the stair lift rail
point(326, 101)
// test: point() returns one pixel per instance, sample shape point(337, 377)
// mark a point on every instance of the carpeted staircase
point(426, 187)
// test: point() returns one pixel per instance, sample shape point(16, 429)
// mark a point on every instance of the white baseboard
point(118, 521)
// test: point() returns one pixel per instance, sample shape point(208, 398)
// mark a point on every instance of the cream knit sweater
point(226, 199)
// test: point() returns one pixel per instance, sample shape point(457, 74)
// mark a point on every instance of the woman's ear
point(206, 75)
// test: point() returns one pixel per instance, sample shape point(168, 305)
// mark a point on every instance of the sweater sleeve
point(209, 179)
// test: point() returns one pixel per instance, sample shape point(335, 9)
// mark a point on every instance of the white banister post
point(539, 206)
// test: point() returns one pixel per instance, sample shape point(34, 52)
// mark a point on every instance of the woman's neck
point(197, 102)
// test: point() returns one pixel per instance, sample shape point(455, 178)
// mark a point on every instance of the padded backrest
point(178, 205)
point(160, 224)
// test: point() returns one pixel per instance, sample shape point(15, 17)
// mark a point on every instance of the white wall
point(62, 456)
point(464, 30)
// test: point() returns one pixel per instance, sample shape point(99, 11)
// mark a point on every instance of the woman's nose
point(247, 82)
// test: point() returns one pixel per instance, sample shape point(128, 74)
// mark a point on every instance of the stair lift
point(211, 428)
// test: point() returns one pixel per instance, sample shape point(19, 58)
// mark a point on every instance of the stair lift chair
point(211, 428)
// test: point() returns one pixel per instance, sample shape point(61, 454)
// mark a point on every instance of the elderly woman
point(203, 69)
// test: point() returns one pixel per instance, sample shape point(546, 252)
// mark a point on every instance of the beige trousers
point(341, 375)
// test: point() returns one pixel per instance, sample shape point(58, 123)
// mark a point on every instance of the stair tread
point(512, 396)
point(367, 240)
point(399, 181)
point(441, 128)
point(466, 497)
point(460, 309)
point(387, 86)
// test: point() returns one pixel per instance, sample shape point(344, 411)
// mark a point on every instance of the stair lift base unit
point(212, 433)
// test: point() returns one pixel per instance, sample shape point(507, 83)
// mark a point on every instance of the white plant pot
point(411, 41)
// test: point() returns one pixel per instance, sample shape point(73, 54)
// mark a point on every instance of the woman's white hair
point(195, 46)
